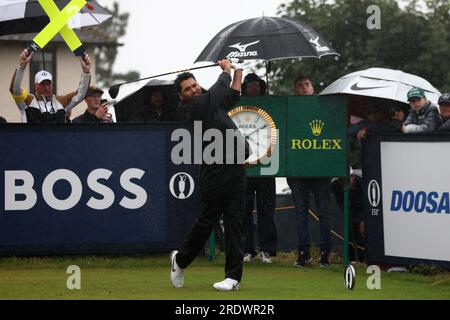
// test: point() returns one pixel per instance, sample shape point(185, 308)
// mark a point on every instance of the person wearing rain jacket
point(44, 106)
point(222, 185)
point(444, 107)
point(424, 116)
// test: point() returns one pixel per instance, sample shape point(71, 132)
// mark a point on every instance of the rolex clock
point(258, 128)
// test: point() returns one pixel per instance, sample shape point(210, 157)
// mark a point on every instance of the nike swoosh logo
point(356, 88)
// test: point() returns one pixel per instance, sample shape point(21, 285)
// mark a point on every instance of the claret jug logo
point(317, 128)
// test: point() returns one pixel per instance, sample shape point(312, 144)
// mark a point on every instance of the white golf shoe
point(176, 273)
point(227, 285)
point(265, 257)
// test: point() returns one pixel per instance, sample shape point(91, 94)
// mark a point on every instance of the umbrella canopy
point(127, 106)
point(381, 83)
point(27, 16)
point(266, 38)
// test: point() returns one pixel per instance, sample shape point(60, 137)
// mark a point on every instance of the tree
point(411, 39)
point(114, 28)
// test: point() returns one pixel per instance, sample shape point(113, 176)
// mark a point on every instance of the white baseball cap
point(42, 75)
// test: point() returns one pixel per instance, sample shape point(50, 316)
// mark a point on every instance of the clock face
point(258, 128)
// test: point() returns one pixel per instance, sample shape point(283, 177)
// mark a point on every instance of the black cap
point(252, 77)
point(92, 90)
point(444, 98)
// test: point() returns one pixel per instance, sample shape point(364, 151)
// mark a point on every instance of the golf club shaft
point(169, 73)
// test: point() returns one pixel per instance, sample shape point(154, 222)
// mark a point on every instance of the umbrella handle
point(32, 47)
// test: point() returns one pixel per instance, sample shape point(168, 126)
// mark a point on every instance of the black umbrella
point(27, 16)
point(266, 38)
point(131, 104)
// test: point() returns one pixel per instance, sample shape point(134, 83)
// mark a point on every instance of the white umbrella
point(381, 83)
point(27, 16)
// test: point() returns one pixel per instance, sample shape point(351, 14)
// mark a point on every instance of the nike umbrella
point(381, 83)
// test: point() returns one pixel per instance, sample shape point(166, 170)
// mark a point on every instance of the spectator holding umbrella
point(444, 107)
point(156, 107)
point(423, 116)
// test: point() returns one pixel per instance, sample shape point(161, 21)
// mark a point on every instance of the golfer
point(222, 186)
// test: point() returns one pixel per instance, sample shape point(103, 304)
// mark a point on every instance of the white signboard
point(416, 204)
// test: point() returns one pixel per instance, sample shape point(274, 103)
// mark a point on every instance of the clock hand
point(246, 135)
point(256, 142)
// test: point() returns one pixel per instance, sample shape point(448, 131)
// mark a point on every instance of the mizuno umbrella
point(381, 83)
point(266, 38)
point(27, 16)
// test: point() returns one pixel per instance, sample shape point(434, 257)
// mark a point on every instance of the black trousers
point(301, 189)
point(264, 191)
point(222, 192)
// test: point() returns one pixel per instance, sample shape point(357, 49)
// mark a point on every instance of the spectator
point(44, 106)
point(156, 108)
point(377, 122)
point(444, 107)
point(264, 190)
point(398, 113)
point(301, 188)
point(96, 112)
point(423, 116)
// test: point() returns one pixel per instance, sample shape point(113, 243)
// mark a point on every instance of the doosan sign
point(416, 200)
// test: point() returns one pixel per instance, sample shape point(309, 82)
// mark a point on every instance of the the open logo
point(373, 193)
point(182, 185)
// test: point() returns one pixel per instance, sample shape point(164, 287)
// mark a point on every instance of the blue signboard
point(82, 189)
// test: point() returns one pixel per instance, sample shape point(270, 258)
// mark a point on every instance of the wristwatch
point(258, 128)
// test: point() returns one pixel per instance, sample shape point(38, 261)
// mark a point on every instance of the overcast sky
point(168, 35)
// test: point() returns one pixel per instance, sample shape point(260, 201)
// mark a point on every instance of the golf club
point(114, 90)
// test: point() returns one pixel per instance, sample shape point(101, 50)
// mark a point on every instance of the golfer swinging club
point(222, 185)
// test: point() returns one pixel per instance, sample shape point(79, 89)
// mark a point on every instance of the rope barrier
point(316, 217)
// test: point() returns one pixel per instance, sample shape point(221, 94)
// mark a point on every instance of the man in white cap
point(44, 106)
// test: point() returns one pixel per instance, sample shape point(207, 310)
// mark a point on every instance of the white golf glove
point(237, 64)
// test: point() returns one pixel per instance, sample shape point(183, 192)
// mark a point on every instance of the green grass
point(147, 277)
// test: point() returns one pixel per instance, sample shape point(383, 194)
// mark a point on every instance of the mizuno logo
point(319, 48)
point(243, 47)
point(356, 88)
point(315, 42)
point(242, 53)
